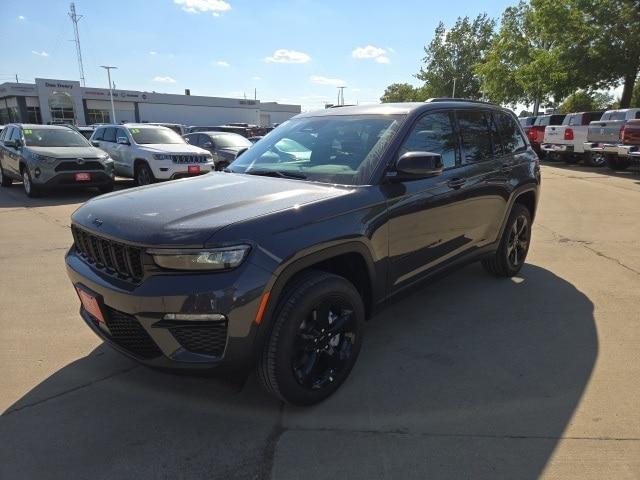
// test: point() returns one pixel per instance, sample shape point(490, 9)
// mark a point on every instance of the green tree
point(523, 64)
point(402, 92)
point(453, 55)
point(583, 101)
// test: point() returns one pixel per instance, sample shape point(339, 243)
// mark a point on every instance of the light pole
point(113, 108)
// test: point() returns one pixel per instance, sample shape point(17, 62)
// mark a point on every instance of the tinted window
point(615, 115)
point(495, 136)
point(638, 114)
point(6, 133)
point(556, 119)
point(109, 135)
point(98, 134)
point(433, 133)
point(232, 140)
point(120, 133)
point(512, 140)
point(474, 130)
point(16, 134)
point(543, 120)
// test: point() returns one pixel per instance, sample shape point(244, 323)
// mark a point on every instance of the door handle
point(456, 182)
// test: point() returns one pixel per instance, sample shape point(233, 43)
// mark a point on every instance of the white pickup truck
point(566, 141)
point(604, 136)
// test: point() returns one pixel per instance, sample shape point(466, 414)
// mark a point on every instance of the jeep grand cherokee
point(277, 262)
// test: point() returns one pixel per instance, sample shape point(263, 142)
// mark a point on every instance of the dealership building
point(65, 101)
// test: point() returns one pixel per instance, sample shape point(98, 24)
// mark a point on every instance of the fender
point(528, 187)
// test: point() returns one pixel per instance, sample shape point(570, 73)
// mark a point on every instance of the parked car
point(86, 132)
point(277, 262)
point(604, 136)
point(244, 131)
point(48, 156)
point(527, 122)
point(535, 133)
point(566, 141)
point(255, 139)
point(223, 146)
point(630, 138)
point(149, 153)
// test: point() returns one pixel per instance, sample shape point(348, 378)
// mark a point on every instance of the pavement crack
point(269, 451)
point(407, 433)
point(71, 390)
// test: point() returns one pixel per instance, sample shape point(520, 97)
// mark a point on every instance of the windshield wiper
point(276, 173)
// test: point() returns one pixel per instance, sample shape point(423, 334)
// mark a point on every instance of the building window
point(61, 106)
point(98, 116)
point(33, 115)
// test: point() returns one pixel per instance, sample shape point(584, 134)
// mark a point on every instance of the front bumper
point(134, 315)
point(168, 170)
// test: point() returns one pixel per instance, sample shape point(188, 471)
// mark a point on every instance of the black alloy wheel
point(315, 338)
point(514, 244)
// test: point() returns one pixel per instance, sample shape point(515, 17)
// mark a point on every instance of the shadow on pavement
point(14, 196)
point(468, 377)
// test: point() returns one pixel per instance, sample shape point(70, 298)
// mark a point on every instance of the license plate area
point(83, 177)
point(91, 304)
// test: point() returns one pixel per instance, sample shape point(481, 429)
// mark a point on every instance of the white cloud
point(257, 78)
point(21, 17)
point(320, 80)
point(153, 53)
point(164, 79)
point(40, 54)
point(370, 52)
point(204, 6)
point(283, 55)
point(222, 63)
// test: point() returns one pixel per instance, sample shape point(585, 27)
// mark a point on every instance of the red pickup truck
point(630, 141)
point(536, 131)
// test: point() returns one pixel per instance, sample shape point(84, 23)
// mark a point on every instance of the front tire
point(144, 175)
point(514, 244)
point(31, 190)
point(315, 340)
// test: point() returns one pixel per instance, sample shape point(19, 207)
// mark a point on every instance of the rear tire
point(4, 180)
point(302, 363)
point(616, 163)
point(144, 175)
point(514, 244)
point(594, 159)
point(571, 158)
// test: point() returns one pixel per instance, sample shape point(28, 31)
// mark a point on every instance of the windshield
point(50, 137)
point(341, 149)
point(145, 136)
point(231, 140)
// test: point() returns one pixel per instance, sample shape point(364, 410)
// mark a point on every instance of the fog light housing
point(37, 172)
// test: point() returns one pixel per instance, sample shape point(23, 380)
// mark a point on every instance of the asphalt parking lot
point(468, 377)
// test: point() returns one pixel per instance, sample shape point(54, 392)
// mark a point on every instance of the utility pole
point(341, 95)
point(17, 78)
point(453, 95)
point(75, 18)
point(113, 108)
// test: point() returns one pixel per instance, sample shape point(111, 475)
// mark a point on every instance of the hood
point(177, 148)
point(68, 152)
point(231, 152)
point(188, 212)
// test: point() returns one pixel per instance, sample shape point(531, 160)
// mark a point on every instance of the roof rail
point(466, 100)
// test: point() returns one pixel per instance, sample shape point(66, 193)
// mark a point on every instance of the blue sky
point(294, 51)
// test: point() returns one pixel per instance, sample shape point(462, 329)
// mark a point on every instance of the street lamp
point(113, 109)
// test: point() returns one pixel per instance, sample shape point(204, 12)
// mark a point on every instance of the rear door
point(13, 153)
point(4, 151)
point(122, 151)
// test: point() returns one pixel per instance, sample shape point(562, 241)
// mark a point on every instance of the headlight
point(45, 159)
point(205, 259)
point(162, 156)
point(208, 156)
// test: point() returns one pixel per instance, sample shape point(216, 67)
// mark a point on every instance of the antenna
point(341, 95)
point(75, 18)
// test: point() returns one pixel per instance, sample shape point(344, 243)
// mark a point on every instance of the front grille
point(188, 159)
point(207, 339)
point(116, 258)
point(127, 332)
point(73, 165)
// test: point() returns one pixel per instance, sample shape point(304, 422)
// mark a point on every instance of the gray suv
point(47, 156)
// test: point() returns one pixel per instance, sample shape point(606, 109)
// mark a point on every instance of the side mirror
point(413, 165)
point(95, 143)
point(13, 143)
point(123, 141)
point(207, 145)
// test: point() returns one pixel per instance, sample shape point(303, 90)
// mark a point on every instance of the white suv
point(149, 152)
